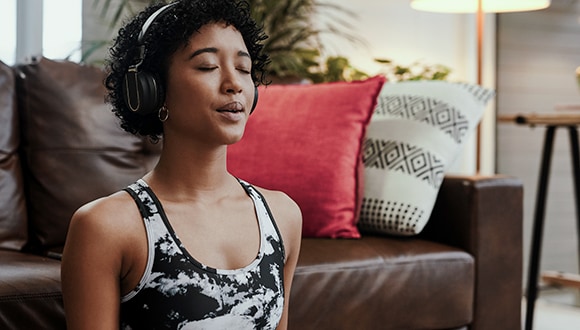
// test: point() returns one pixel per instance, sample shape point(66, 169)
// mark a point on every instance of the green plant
point(335, 68)
point(294, 34)
point(416, 71)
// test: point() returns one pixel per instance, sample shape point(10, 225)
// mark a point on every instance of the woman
point(188, 246)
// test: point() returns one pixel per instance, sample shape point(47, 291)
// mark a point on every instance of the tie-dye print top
point(178, 292)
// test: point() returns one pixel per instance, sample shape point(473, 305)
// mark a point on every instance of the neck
point(187, 172)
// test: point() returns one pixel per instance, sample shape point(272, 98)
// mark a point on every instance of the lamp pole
point(479, 21)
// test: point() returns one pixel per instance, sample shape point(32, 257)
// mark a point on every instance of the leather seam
point(381, 266)
point(25, 297)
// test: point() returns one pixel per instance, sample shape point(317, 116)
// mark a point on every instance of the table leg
point(574, 151)
point(538, 226)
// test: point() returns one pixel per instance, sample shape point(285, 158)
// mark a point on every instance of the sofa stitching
point(24, 297)
point(384, 265)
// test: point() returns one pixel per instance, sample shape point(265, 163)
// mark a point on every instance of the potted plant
point(416, 71)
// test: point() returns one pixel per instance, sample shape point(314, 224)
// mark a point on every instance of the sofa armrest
point(483, 215)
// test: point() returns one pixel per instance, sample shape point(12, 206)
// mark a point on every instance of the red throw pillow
point(305, 140)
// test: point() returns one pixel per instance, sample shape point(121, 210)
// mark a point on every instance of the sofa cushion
point(30, 292)
point(305, 140)
point(13, 221)
point(415, 134)
point(375, 282)
point(74, 149)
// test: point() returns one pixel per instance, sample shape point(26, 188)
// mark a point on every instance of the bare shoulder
point(105, 226)
point(282, 206)
point(108, 215)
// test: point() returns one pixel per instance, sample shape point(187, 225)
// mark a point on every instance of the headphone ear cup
point(142, 92)
point(255, 100)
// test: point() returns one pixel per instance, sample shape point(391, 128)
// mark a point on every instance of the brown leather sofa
point(59, 148)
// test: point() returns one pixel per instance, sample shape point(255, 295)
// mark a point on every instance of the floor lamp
point(479, 7)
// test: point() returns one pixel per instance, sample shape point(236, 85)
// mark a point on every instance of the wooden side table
point(552, 121)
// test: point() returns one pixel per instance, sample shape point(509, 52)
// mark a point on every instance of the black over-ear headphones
point(142, 91)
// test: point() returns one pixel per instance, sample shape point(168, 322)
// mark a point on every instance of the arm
point(91, 268)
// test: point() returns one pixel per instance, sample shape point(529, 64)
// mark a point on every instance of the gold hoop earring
point(163, 114)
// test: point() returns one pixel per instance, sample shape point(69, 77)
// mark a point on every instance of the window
point(8, 28)
point(61, 29)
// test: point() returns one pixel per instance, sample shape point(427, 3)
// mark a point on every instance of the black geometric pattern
point(427, 110)
point(405, 158)
point(378, 215)
point(405, 211)
point(482, 95)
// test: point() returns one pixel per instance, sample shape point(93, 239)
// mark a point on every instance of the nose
point(231, 82)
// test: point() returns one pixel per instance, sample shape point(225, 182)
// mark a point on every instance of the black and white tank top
point(178, 292)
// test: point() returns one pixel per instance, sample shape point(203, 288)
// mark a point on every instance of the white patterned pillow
point(415, 134)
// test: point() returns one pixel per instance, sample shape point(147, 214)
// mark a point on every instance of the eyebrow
point(203, 50)
point(242, 53)
point(214, 50)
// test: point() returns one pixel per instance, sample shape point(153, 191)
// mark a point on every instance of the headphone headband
point(150, 20)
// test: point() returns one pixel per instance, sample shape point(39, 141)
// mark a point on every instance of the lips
point(232, 107)
point(232, 112)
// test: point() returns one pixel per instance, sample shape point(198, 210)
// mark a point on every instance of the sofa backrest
point(13, 222)
point(73, 150)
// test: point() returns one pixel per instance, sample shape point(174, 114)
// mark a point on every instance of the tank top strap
point(145, 203)
point(149, 208)
point(270, 227)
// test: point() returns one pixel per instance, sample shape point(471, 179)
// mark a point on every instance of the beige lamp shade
point(470, 6)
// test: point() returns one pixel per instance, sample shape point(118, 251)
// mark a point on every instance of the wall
point(537, 55)
point(393, 30)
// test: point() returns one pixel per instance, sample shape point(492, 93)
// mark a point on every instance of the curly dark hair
point(170, 31)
